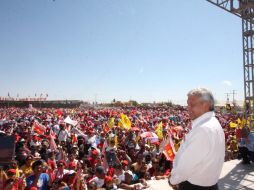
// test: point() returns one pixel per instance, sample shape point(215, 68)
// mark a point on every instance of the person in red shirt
point(93, 158)
point(12, 182)
point(51, 160)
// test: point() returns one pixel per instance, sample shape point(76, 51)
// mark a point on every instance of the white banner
point(70, 121)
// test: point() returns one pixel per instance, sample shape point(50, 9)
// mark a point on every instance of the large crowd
point(105, 148)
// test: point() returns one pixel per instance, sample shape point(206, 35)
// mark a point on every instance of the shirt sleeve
point(191, 157)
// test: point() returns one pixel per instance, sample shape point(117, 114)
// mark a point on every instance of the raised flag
point(105, 128)
point(239, 121)
point(232, 125)
point(120, 124)
point(59, 112)
point(169, 150)
point(125, 121)
point(70, 121)
point(159, 131)
point(39, 128)
point(111, 122)
point(74, 138)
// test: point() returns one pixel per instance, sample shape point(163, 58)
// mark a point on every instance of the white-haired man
point(199, 160)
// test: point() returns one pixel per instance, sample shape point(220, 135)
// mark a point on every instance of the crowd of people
point(105, 148)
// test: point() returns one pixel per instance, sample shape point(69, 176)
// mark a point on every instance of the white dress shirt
point(200, 158)
point(63, 135)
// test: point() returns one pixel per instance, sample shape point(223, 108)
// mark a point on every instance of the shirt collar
point(201, 118)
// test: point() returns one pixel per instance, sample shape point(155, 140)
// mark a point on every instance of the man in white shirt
point(99, 176)
point(63, 133)
point(200, 158)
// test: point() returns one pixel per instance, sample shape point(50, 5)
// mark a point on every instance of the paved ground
point(234, 176)
point(237, 176)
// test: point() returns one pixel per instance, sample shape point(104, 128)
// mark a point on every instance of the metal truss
point(245, 10)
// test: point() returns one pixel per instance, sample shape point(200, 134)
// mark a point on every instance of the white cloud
point(226, 82)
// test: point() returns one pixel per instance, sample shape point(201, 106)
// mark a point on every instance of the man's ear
point(207, 105)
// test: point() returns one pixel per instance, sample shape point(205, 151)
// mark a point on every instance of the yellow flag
point(116, 141)
point(120, 124)
point(159, 131)
point(244, 122)
point(111, 122)
point(125, 121)
point(232, 124)
point(241, 123)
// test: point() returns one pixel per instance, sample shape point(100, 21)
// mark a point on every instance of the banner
point(70, 121)
point(7, 149)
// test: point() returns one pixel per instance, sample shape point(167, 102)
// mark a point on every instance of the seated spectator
point(118, 174)
point(136, 167)
point(131, 182)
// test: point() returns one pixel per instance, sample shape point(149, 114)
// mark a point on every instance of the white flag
point(70, 121)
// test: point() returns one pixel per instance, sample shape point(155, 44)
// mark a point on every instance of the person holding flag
point(199, 160)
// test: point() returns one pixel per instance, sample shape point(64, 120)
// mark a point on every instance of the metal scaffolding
point(245, 10)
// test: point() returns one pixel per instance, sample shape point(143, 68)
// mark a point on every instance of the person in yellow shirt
point(14, 165)
point(27, 167)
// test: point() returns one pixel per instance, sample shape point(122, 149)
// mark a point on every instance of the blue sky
point(146, 50)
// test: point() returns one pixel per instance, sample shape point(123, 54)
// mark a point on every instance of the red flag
point(38, 128)
point(17, 137)
point(59, 112)
point(105, 128)
point(168, 152)
point(73, 138)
